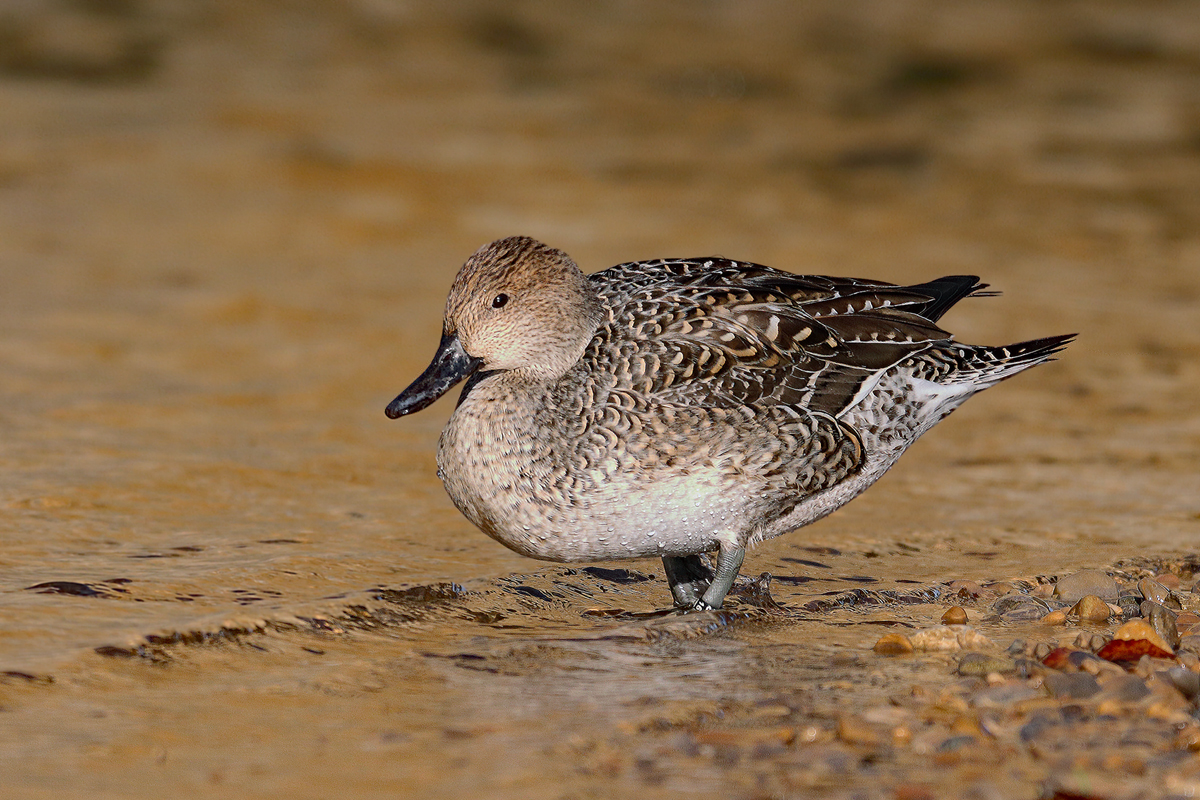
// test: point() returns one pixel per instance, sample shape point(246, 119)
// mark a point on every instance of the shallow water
point(225, 240)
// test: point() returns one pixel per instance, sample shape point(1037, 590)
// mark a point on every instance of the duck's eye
point(499, 300)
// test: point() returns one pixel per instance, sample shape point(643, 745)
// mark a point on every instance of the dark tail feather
point(945, 292)
point(990, 365)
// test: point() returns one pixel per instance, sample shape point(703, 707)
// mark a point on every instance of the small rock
point(1004, 695)
point(1157, 593)
point(945, 639)
point(1150, 664)
point(1163, 622)
point(1026, 667)
point(965, 590)
point(1058, 617)
point(893, 644)
point(1130, 606)
point(772, 710)
point(981, 664)
point(1072, 588)
point(1091, 608)
point(1187, 622)
point(1153, 591)
point(1188, 739)
point(1141, 629)
point(1168, 579)
point(1124, 689)
point(1020, 608)
point(852, 730)
point(955, 742)
point(913, 791)
point(1186, 681)
point(955, 615)
point(1073, 685)
point(1086, 640)
point(1084, 661)
point(1131, 651)
point(887, 716)
point(1037, 725)
point(1056, 658)
point(1172, 710)
point(1098, 666)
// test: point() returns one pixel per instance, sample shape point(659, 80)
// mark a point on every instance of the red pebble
point(1130, 650)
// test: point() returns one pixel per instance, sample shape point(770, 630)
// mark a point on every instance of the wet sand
point(226, 235)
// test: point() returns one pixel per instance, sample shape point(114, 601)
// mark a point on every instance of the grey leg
point(729, 561)
point(687, 576)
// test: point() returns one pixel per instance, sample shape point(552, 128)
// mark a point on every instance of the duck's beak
point(449, 366)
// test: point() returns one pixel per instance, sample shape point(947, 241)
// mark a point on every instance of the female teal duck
point(675, 407)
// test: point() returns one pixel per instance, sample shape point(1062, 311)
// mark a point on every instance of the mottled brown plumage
point(676, 407)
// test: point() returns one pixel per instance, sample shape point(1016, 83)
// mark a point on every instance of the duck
point(677, 408)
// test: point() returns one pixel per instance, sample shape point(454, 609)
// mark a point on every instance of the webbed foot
point(688, 577)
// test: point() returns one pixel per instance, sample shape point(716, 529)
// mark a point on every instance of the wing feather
point(722, 333)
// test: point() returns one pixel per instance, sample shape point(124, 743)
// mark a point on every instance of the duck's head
point(516, 304)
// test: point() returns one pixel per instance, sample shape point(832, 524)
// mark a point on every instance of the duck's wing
point(827, 295)
point(719, 333)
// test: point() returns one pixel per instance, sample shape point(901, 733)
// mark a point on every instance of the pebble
point(853, 730)
point(981, 665)
point(1004, 695)
point(955, 615)
point(965, 590)
point(1074, 685)
point(1163, 621)
point(1187, 622)
point(1136, 629)
point(1109, 707)
point(1153, 591)
point(945, 639)
point(1086, 640)
point(1190, 642)
point(772, 710)
point(1072, 588)
point(1091, 608)
point(1083, 660)
point(1123, 689)
point(1039, 723)
point(1185, 681)
point(1020, 608)
point(1129, 606)
point(1188, 739)
point(1168, 579)
point(893, 644)
point(1058, 617)
point(1148, 666)
point(1098, 666)
point(1073, 706)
